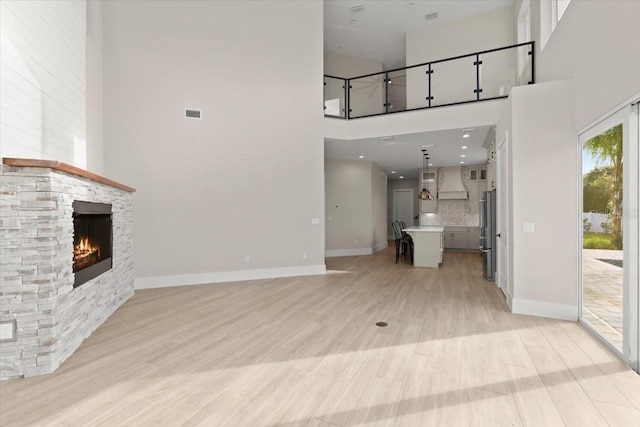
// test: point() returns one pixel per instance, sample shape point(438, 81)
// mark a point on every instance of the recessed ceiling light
point(466, 135)
point(464, 147)
point(393, 171)
point(462, 163)
point(463, 155)
point(401, 177)
point(361, 157)
point(353, 22)
point(430, 164)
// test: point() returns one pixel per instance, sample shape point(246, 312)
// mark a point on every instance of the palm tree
point(606, 150)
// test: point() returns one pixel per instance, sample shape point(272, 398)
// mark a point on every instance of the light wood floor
point(306, 352)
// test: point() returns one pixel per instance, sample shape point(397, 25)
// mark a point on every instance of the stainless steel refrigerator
point(488, 245)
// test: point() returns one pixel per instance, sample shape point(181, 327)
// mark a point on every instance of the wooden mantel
point(64, 167)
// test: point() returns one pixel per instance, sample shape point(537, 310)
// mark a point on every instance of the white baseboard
point(380, 247)
point(226, 276)
point(348, 252)
point(510, 300)
point(544, 309)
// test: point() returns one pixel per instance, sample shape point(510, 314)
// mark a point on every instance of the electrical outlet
point(247, 259)
point(315, 221)
point(7, 330)
point(528, 227)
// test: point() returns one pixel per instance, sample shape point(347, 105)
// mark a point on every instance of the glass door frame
point(628, 116)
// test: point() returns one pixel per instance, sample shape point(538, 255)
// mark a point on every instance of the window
point(558, 8)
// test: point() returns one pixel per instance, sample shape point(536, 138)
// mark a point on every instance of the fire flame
point(85, 249)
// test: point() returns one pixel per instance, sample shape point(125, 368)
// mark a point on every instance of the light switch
point(528, 227)
point(315, 221)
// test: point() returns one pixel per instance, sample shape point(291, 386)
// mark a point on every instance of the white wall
point(543, 191)
point(596, 45)
point(94, 92)
point(247, 179)
point(348, 207)
point(454, 82)
point(379, 207)
point(347, 66)
point(43, 80)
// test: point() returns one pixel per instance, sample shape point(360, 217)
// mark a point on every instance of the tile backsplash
point(452, 212)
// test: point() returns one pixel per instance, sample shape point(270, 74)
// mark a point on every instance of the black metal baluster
point(429, 72)
point(386, 93)
point(324, 97)
point(477, 90)
point(533, 63)
point(348, 95)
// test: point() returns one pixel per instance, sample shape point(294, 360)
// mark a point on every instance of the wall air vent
point(191, 113)
point(357, 9)
point(431, 16)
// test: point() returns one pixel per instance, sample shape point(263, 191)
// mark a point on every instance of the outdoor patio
point(602, 303)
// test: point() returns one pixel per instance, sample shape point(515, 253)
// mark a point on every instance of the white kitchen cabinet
point(491, 176)
point(427, 244)
point(455, 237)
point(473, 238)
point(429, 180)
point(477, 185)
point(428, 206)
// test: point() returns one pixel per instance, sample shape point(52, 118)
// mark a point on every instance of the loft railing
point(479, 76)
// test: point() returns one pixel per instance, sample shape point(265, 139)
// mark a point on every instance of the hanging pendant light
point(425, 194)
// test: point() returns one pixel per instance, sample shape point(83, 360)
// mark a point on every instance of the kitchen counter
point(427, 245)
point(426, 228)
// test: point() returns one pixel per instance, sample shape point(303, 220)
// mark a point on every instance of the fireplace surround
point(50, 313)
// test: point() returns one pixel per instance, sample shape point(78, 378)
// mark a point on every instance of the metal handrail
point(478, 90)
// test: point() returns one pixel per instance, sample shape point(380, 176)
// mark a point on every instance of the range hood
point(452, 186)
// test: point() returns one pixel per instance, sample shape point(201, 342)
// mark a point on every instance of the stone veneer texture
point(36, 276)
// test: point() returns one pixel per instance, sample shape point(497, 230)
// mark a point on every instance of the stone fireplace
point(66, 260)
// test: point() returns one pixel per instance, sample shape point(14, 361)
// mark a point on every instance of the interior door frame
point(503, 186)
point(628, 116)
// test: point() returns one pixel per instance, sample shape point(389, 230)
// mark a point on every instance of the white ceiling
point(403, 153)
point(379, 31)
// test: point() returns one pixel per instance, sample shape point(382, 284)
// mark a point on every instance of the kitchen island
point(427, 245)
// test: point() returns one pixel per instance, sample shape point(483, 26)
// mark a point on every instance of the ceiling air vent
point(357, 9)
point(190, 113)
point(431, 16)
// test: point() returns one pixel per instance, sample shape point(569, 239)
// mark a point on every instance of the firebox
point(92, 240)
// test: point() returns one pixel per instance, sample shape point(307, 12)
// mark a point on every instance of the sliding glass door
point(609, 285)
